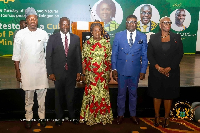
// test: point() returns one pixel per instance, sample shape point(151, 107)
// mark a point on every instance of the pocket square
point(140, 41)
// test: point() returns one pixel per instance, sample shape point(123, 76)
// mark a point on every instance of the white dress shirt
point(28, 48)
point(133, 36)
point(63, 38)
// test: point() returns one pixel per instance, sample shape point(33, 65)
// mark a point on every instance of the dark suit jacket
point(171, 59)
point(56, 58)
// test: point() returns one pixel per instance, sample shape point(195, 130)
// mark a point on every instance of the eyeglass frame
point(144, 13)
point(131, 22)
point(167, 22)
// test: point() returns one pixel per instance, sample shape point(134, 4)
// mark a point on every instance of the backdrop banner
point(184, 15)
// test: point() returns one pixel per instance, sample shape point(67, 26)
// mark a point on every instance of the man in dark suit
point(129, 64)
point(63, 61)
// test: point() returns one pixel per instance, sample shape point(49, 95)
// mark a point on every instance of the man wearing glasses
point(129, 64)
point(145, 24)
point(179, 19)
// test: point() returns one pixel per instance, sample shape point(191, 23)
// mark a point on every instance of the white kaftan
point(29, 48)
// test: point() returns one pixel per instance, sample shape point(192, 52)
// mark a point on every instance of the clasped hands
point(164, 71)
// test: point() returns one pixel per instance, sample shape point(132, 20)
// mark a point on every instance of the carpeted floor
point(145, 126)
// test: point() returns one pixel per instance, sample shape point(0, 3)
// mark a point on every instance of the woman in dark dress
point(165, 51)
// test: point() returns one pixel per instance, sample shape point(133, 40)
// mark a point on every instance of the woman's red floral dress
point(96, 107)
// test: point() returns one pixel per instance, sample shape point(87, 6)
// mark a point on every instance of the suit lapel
point(172, 43)
point(60, 43)
point(158, 41)
point(137, 38)
point(125, 42)
point(71, 42)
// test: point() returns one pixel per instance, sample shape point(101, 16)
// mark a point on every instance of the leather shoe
point(43, 122)
point(28, 124)
point(75, 121)
point(166, 123)
point(134, 120)
point(58, 122)
point(156, 121)
point(119, 119)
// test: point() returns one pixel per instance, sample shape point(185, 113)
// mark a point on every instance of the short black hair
point(64, 18)
point(131, 16)
point(110, 3)
point(96, 24)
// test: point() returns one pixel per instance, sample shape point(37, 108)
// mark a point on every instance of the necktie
point(66, 50)
point(144, 28)
point(131, 39)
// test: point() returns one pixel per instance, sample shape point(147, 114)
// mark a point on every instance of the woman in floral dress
point(96, 56)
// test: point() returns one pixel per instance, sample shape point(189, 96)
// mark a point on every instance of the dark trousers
point(132, 84)
point(64, 90)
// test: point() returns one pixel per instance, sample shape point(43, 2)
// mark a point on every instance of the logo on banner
point(6, 1)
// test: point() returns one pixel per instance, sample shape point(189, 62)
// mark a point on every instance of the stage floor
point(190, 73)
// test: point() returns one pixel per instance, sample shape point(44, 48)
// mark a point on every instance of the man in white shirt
point(30, 66)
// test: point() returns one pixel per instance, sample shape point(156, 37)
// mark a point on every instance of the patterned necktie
point(144, 28)
point(66, 50)
point(131, 39)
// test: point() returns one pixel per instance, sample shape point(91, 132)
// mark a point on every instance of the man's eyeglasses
point(167, 22)
point(131, 22)
point(143, 13)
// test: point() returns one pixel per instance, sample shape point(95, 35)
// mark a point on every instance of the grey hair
point(145, 6)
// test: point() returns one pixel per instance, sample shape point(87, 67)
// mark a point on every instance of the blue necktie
point(131, 39)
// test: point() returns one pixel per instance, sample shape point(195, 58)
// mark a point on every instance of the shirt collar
point(63, 35)
point(134, 32)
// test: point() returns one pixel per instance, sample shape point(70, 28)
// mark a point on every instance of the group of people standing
point(38, 57)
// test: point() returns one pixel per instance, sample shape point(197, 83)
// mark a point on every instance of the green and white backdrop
point(50, 11)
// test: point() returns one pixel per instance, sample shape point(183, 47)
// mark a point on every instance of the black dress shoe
point(75, 121)
point(43, 122)
point(58, 122)
point(134, 120)
point(119, 119)
point(28, 124)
